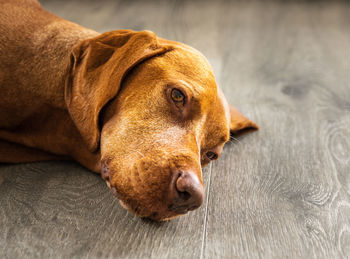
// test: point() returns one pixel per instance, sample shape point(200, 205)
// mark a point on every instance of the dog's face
point(167, 121)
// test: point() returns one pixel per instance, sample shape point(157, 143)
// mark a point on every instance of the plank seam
point(206, 212)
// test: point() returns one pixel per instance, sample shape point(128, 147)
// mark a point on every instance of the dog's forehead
point(189, 67)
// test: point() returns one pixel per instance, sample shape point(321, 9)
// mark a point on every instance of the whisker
point(233, 139)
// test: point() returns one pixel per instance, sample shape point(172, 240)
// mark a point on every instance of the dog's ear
point(97, 71)
point(239, 123)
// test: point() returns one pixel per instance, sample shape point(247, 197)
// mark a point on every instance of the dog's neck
point(37, 53)
point(57, 40)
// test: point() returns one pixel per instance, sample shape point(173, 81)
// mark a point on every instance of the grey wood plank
point(59, 209)
point(284, 191)
point(280, 192)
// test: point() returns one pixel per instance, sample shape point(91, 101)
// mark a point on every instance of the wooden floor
point(282, 192)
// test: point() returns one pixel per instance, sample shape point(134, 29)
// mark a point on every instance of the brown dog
point(143, 111)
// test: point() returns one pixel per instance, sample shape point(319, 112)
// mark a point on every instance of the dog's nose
point(187, 192)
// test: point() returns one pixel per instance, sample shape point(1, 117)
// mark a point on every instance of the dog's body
point(62, 98)
point(35, 59)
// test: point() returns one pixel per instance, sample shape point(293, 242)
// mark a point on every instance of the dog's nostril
point(188, 192)
point(184, 195)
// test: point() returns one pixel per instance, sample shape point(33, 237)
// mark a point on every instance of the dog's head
point(153, 109)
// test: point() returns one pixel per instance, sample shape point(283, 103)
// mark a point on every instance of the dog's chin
point(156, 216)
point(162, 215)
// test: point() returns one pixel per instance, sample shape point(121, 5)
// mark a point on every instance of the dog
point(142, 111)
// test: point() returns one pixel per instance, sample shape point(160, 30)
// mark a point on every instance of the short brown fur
point(72, 93)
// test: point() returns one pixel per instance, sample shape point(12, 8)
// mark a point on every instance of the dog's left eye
point(177, 96)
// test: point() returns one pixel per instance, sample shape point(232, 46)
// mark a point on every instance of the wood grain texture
point(59, 209)
point(282, 192)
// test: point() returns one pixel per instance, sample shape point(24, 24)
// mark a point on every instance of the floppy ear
point(97, 71)
point(239, 123)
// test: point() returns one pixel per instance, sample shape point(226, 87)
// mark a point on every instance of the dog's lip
point(105, 171)
point(111, 187)
point(160, 219)
point(106, 177)
point(180, 209)
point(181, 212)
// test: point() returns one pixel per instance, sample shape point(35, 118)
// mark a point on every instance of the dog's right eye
point(177, 96)
point(211, 155)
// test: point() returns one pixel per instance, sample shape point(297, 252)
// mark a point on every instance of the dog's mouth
point(106, 177)
point(156, 216)
point(181, 209)
point(171, 212)
point(173, 194)
point(174, 212)
point(112, 188)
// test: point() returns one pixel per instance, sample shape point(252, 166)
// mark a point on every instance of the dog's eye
point(211, 155)
point(177, 96)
